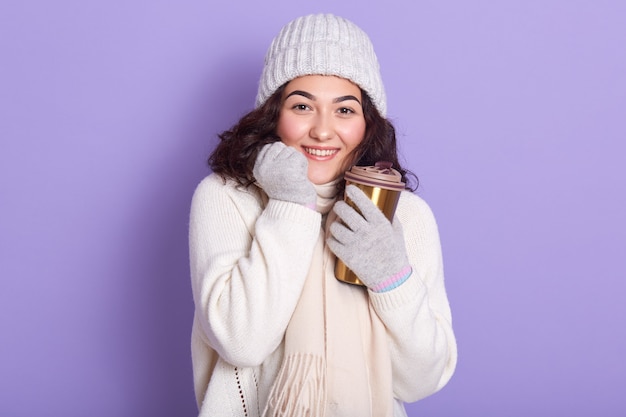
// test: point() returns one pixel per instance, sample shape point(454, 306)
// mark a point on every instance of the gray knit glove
point(369, 244)
point(282, 172)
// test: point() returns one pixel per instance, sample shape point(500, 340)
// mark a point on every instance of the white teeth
point(321, 152)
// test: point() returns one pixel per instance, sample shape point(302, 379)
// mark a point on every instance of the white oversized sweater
point(249, 258)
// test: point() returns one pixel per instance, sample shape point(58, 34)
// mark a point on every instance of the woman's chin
point(318, 178)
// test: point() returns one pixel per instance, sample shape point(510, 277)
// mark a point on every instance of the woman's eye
point(345, 110)
point(300, 107)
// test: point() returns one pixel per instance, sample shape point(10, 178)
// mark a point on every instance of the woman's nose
point(322, 128)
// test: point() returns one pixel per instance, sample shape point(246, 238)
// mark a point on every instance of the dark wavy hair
point(235, 154)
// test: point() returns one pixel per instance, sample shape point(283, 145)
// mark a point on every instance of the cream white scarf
point(336, 361)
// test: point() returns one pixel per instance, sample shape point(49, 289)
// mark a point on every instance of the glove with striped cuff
point(371, 246)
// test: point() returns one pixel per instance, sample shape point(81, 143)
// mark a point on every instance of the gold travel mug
point(383, 185)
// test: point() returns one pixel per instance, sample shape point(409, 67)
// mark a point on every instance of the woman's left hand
point(369, 244)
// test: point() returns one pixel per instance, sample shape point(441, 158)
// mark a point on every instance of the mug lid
point(380, 175)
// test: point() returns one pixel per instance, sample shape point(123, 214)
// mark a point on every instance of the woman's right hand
point(282, 172)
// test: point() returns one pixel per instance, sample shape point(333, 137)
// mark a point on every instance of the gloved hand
point(369, 244)
point(282, 172)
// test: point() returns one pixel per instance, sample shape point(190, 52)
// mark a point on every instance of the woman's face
point(322, 117)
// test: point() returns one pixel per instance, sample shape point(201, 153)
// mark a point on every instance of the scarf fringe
point(299, 389)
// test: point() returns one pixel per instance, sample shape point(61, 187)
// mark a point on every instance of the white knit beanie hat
point(322, 44)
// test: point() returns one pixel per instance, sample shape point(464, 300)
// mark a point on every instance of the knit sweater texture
point(249, 257)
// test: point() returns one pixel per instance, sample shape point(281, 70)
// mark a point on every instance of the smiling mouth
point(321, 152)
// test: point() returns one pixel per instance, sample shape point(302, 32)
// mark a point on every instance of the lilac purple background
point(512, 113)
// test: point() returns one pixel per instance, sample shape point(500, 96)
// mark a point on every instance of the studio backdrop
point(511, 113)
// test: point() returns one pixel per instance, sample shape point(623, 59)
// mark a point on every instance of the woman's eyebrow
point(301, 93)
point(344, 98)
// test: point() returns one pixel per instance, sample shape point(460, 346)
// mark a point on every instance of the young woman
point(274, 332)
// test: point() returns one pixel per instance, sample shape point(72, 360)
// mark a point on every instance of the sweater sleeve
point(417, 313)
point(248, 266)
